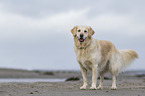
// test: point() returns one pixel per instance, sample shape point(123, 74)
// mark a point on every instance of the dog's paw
point(93, 88)
point(113, 88)
point(83, 87)
point(99, 87)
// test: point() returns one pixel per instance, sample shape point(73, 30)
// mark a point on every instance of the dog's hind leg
point(113, 82)
point(102, 77)
point(114, 72)
point(101, 82)
point(113, 68)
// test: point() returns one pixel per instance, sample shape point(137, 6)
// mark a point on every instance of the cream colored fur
point(99, 56)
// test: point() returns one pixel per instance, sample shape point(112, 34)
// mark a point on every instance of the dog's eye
point(85, 31)
point(79, 30)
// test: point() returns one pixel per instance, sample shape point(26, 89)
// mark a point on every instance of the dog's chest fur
point(89, 56)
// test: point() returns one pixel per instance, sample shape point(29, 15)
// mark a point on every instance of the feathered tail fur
point(127, 56)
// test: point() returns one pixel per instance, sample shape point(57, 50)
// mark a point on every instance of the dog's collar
point(84, 47)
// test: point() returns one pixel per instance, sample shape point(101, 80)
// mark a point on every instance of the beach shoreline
point(128, 83)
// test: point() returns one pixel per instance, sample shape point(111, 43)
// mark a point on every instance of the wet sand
point(129, 84)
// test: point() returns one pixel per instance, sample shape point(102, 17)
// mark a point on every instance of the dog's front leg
point(94, 77)
point(84, 75)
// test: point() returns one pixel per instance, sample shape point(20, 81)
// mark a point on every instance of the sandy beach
point(128, 83)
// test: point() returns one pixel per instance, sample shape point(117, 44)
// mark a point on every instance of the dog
point(99, 56)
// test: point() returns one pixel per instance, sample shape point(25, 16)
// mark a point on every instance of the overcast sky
point(35, 34)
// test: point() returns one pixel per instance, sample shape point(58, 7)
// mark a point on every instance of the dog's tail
point(127, 56)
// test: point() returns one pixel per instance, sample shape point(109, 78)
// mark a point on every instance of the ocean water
point(30, 80)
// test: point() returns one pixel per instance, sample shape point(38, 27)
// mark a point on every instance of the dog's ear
point(74, 31)
point(91, 32)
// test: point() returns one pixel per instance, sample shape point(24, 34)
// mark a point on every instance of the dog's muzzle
point(81, 39)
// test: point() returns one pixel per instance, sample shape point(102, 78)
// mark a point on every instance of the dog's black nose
point(81, 35)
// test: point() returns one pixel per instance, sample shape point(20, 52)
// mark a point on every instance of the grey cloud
point(39, 49)
point(35, 8)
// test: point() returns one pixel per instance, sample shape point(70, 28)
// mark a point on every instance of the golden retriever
point(99, 56)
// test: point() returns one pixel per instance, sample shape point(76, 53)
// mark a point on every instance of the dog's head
point(82, 32)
